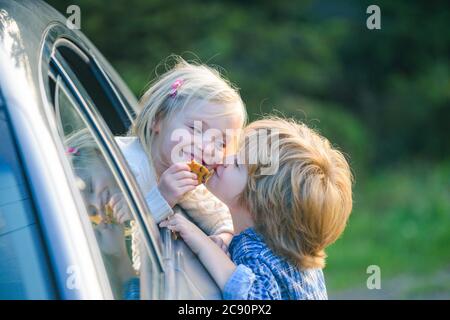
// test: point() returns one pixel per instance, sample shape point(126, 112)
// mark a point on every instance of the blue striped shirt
point(262, 275)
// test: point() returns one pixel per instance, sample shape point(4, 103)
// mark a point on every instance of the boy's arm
point(252, 280)
point(217, 263)
point(212, 257)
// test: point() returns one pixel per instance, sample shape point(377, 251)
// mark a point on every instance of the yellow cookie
point(109, 215)
point(97, 219)
point(203, 174)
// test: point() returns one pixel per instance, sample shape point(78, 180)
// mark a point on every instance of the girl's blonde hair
point(199, 83)
point(304, 206)
point(86, 152)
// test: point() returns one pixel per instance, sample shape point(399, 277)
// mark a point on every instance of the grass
point(400, 222)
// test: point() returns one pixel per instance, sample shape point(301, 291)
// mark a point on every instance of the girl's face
point(197, 132)
point(99, 186)
point(228, 181)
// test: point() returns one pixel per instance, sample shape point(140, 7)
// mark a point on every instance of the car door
point(25, 271)
point(105, 109)
point(97, 167)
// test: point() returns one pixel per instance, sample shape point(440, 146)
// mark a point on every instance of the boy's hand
point(210, 255)
point(226, 237)
point(176, 181)
point(191, 234)
point(120, 209)
point(222, 241)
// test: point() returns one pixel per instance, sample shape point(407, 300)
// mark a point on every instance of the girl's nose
point(229, 160)
point(215, 166)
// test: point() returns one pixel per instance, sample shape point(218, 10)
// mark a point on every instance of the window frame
point(100, 129)
point(95, 124)
point(116, 162)
point(109, 90)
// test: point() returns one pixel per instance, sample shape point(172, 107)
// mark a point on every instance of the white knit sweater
point(208, 212)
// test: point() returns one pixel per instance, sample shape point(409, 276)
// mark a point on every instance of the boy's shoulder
point(250, 249)
point(250, 245)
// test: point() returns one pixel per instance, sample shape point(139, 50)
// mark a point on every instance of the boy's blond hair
point(304, 206)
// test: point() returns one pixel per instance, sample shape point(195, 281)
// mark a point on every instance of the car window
point(97, 87)
point(108, 210)
point(24, 268)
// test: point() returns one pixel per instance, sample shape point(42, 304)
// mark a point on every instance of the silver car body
point(28, 29)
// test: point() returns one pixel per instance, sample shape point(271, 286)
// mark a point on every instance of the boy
point(283, 221)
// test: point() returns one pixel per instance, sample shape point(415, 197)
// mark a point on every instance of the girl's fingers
point(118, 206)
point(184, 175)
point(187, 188)
point(178, 167)
point(122, 215)
point(186, 182)
point(115, 199)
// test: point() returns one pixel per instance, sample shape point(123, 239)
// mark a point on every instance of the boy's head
point(303, 206)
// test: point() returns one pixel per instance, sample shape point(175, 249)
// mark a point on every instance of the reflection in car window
point(102, 196)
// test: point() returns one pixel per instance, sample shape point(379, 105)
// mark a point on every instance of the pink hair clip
point(178, 83)
point(72, 151)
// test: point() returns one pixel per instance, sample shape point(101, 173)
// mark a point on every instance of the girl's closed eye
point(196, 127)
point(220, 145)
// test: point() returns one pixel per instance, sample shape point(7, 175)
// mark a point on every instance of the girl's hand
point(110, 238)
point(176, 181)
point(120, 209)
point(191, 234)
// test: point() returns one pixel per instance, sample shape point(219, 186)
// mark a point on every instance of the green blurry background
point(382, 96)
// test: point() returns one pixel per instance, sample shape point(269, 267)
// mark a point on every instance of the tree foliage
point(382, 95)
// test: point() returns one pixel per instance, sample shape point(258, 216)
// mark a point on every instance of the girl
point(185, 102)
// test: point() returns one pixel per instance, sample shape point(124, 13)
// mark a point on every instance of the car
point(53, 84)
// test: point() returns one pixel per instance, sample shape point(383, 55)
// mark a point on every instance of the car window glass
point(105, 202)
point(102, 95)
